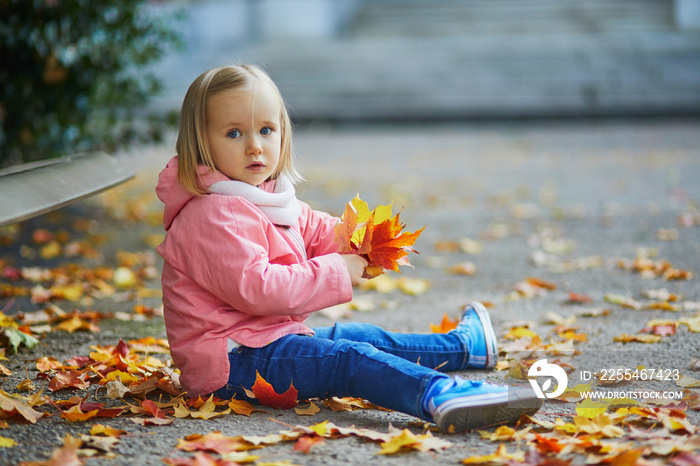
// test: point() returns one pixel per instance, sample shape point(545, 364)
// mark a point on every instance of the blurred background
point(344, 60)
point(77, 75)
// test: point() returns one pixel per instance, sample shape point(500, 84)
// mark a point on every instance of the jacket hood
point(175, 197)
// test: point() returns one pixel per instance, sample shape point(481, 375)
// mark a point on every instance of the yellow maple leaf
point(7, 442)
point(100, 429)
point(181, 410)
point(501, 433)
point(381, 284)
point(590, 409)
point(207, 410)
point(124, 376)
point(500, 456)
point(320, 428)
point(519, 332)
point(566, 427)
point(73, 324)
point(693, 323)
point(406, 440)
point(412, 286)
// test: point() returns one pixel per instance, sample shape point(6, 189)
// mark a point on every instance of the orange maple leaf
point(376, 236)
point(445, 326)
point(76, 414)
point(46, 364)
point(107, 431)
point(242, 407)
point(267, 396)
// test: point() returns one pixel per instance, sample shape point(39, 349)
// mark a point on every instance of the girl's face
point(244, 133)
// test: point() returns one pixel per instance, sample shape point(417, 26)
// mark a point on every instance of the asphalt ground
point(567, 203)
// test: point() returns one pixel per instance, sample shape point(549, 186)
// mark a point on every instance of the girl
point(246, 263)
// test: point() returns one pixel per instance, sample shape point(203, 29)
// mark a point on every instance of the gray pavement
point(595, 191)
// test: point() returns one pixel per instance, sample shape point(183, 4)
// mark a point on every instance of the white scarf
point(281, 207)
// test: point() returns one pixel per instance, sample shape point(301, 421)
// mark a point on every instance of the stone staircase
point(420, 18)
point(457, 59)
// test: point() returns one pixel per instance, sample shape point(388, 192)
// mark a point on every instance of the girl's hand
point(356, 267)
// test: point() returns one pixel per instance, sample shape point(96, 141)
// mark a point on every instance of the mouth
point(255, 166)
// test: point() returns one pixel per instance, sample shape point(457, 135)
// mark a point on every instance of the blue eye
point(266, 131)
point(233, 134)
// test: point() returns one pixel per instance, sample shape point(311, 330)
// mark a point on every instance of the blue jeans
point(392, 370)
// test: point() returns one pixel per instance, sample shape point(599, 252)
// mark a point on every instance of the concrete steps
point(416, 59)
point(382, 18)
point(489, 76)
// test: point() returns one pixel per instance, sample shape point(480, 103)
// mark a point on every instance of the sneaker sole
point(458, 417)
point(490, 335)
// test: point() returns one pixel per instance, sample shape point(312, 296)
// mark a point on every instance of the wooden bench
point(37, 188)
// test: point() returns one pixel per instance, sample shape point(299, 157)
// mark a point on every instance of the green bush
point(73, 76)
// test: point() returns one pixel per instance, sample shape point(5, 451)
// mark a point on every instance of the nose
point(254, 146)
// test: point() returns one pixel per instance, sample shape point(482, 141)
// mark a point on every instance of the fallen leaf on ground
point(406, 441)
point(638, 338)
point(445, 326)
point(305, 443)
point(499, 457)
point(308, 411)
point(243, 407)
point(99, 429)
point(214, 441)
point(267, 396)
point(205, 411)
point(687, 382)
point(18, 406)
point(623, 301)
point(463, 268)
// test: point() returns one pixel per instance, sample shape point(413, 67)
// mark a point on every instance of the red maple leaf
point(267, 396)
point(389, 246)
point(121, 349)
point(152, 408)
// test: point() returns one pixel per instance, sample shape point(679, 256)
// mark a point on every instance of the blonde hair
point(192, 145)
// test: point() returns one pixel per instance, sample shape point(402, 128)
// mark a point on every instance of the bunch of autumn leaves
point(376, 236)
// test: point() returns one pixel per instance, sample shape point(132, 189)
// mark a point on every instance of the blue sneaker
point(481, 339)
point(471, 404)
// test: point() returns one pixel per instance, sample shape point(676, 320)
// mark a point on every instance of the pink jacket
point(230, 273)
